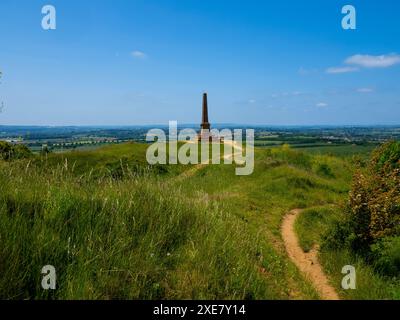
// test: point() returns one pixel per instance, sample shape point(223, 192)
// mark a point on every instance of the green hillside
point(116, 228)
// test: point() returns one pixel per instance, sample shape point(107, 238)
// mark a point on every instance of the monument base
point(206, 135)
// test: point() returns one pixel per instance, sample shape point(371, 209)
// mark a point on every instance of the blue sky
point(147, 62)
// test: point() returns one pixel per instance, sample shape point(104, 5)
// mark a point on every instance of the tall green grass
point(311, 227)
point(116, 228)
point(119, 239)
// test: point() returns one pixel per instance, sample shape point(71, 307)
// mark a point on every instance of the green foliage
point(373, 211)
point(5, 150)
point(387, 157)
point(375, 197)
point(324, 169)
point(311, 228)
point(311, 224)
point(386, 253)
point(21, 151)
point(12, 152)
point(338, 235)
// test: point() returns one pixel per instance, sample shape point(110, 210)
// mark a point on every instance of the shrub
point(375, 196)
point(9, 151)
point(386, 254)
point(5, 150)
point(387, 157)
point(339, 235)
point(373, 211)
point(21, 151)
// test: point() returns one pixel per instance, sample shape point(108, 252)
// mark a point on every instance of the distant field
point(338, 150)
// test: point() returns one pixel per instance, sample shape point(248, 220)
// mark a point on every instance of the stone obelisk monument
point(205, 125)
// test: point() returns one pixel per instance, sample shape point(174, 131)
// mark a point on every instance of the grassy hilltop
point(116, 228)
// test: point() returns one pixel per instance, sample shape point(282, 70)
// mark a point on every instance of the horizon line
point(193, 125)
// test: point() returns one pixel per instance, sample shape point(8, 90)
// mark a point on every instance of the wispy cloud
point(138, 54)
point(321, 105)
point(368, 61)
point(363, 61)
point(365, 90)
point(337, 70)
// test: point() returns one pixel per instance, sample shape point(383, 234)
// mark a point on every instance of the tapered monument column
point(205, 125)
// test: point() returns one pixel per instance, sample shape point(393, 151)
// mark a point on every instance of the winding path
point(306, 262)
point(191, 172)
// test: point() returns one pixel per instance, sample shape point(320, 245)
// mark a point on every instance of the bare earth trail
point(192, 171)
point(235, 147)
point(306, 262)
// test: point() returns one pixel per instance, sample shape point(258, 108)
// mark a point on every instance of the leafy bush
point(338, 236)
point(387, 157)
point(373, 211)
point(5, 150)
point(21, 151)
point(375, 197)
point(10, 152)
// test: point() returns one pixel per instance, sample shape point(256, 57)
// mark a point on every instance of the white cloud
point(365, 90)
point(368, 61)
point(138, 54)
point(337, 70)
point(321, 105)
point(354, 63)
